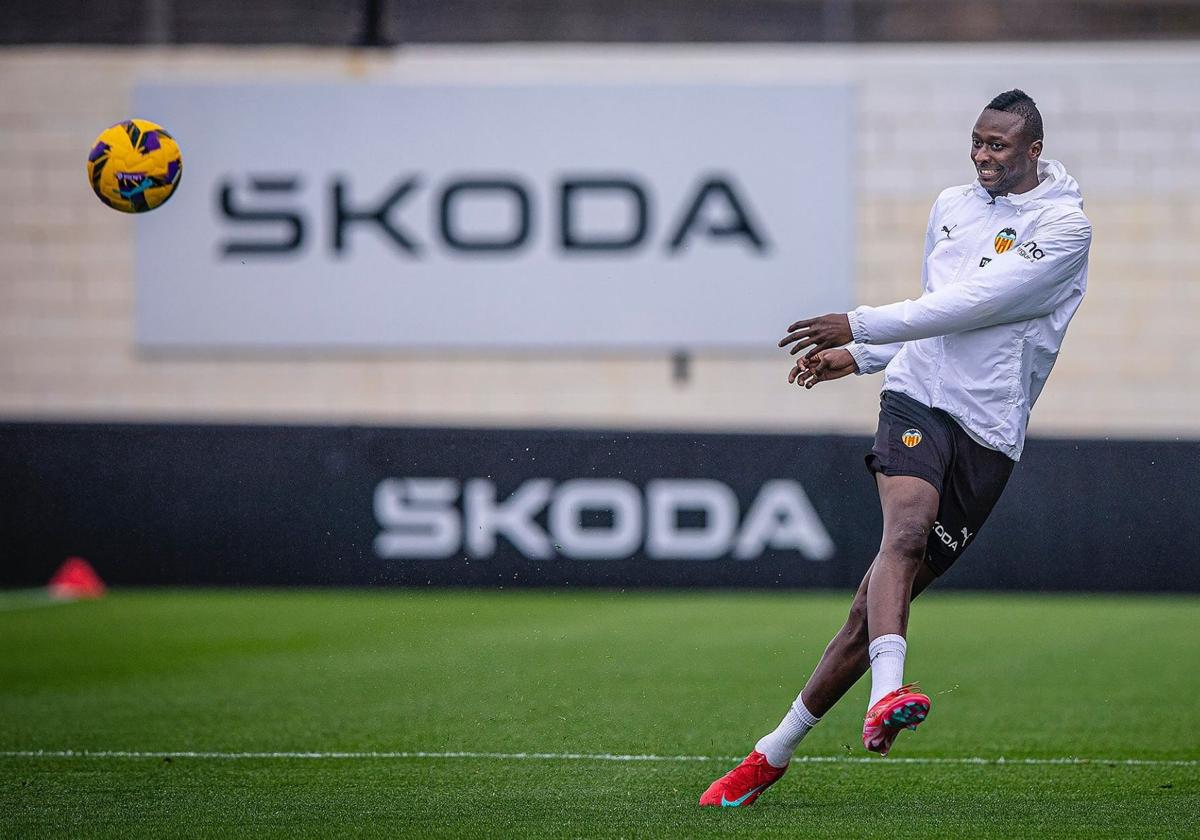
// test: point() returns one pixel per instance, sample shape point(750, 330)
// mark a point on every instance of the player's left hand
point(822, 367)
point(822, 333)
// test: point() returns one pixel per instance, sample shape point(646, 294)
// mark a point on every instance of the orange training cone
point(76, 578)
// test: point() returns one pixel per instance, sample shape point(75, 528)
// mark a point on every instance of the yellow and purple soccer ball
point(134, 166)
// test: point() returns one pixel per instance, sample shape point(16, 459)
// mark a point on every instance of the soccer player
point(1005, 269)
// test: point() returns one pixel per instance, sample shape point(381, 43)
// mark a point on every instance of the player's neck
point(1028, 183)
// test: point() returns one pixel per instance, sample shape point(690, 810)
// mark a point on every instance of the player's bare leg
point(910, 506)
point(907, 503)
point(845, 659)
point(847, 656)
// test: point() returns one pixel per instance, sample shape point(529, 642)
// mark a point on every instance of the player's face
point(1004, 159)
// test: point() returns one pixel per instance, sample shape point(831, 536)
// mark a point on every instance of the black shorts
point(914, 439)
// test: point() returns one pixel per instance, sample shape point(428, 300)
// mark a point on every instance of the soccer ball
point(134, 166)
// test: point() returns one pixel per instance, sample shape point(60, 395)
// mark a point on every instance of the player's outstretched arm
point(822, 367)
point(1029, 281)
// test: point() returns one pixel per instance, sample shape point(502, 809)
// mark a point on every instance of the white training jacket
point(1002, 279)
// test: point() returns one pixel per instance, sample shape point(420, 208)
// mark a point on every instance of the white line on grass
point(537, 756)
point(24, 599)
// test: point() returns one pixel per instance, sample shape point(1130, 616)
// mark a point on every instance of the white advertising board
point(624, 217)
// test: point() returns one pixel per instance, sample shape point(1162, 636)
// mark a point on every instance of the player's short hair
point(1019, 102)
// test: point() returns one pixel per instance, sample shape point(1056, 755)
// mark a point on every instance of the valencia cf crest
point(1005, 239)
point(911, 437)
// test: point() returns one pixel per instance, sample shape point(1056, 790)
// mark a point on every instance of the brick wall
point(1124, 119)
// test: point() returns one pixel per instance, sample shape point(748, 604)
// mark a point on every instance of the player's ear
point(1035, 150)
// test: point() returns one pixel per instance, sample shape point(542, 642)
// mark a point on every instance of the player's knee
point(906, 542)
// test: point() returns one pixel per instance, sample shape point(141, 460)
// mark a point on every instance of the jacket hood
point(1056, 187)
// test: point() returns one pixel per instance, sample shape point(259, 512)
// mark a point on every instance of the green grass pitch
point(668, 674)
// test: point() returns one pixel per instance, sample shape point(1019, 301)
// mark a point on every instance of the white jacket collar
point(1055, 187)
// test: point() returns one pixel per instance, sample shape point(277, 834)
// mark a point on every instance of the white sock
point(887, 665)
point(779, 746)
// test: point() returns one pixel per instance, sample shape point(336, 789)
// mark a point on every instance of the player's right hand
point(822, 367)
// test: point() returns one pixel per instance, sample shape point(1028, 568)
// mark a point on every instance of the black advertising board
point(287, 505)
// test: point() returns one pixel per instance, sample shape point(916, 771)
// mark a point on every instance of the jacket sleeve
point(1029, 281)
point(872, 358)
